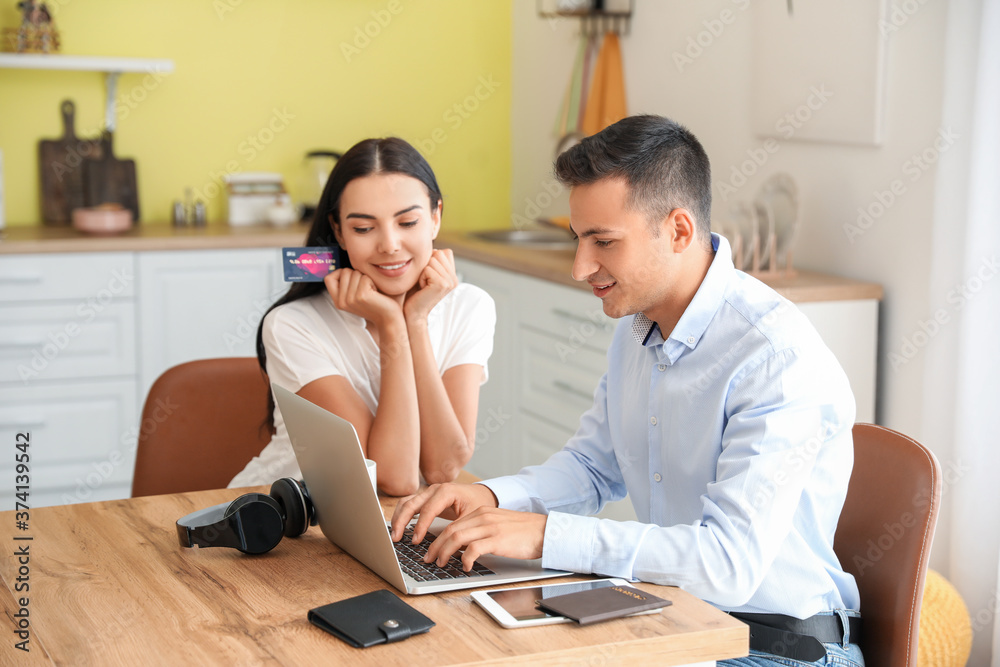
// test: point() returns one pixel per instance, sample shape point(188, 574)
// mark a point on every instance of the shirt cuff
point(569, 542)
point(511, 494)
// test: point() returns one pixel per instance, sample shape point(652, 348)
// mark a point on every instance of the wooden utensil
point(108, 180)
point(60, 167)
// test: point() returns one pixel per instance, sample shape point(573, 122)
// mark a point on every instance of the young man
point(722, 415)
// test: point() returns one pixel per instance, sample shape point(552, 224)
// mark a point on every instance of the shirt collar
point(642, 328)
point(700, 311)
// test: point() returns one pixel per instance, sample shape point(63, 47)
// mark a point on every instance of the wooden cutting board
point(60, 165)
point(108, 180)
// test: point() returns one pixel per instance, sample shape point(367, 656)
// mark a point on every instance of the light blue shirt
point(732, 438)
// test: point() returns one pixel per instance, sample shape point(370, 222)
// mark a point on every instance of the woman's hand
point(354, 292)
point(437, 279)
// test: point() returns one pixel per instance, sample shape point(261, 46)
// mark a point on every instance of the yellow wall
point(305, 68)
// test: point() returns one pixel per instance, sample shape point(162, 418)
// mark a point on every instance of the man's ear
point(681, 228)
point(436, 219)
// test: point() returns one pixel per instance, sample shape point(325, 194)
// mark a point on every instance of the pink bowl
point(102, 220)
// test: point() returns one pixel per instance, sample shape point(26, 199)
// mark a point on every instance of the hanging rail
point(595, 19)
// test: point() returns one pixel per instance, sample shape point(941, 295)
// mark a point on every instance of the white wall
point(712, 96)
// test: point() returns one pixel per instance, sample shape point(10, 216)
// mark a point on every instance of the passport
point(309, 263)
point(601, 604)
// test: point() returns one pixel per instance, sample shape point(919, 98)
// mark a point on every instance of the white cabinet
point(554, 386)
point(850, 330)
point(84, 335)
point(549, 355)
point(82, 440)
point(54, 340)
point(203, 303)
point(497, 424)
point(68, 374)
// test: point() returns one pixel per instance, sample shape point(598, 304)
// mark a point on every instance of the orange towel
point(606, 102)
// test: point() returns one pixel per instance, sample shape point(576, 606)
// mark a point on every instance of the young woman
point(391, 342)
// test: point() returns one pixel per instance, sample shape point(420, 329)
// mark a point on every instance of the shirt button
point(657, 477)
point(652, 420)
point(690, 340)
point(661, 367)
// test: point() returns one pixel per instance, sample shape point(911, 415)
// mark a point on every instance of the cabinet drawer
point(573, 316)
point(53, 342)
point(541, 439)
point(850, 330)
point(557, 387)
point(82, 440)
point(88, 277)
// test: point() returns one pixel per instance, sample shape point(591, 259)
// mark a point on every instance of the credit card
point(308, 264)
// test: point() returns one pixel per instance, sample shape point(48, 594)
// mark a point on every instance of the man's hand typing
point(478, 527)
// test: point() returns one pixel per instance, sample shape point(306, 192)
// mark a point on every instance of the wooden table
point(109, 585)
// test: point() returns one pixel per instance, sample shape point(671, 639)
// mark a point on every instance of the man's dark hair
point(662, 163)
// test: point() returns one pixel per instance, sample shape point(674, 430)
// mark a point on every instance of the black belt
point(795, 638)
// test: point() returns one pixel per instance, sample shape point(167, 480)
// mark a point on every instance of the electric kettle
point(319, 164)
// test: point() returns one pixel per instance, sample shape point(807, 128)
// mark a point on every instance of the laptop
point(349, 514)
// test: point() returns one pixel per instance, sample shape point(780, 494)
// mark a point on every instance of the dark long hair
point(371, 156)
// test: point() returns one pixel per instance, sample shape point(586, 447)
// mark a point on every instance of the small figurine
point(37, 32)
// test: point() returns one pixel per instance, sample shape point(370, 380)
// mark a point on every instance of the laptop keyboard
point(411, 560)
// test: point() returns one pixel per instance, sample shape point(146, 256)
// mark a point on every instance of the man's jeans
point(835, 655)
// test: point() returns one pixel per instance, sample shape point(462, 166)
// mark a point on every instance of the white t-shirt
point(309, 339)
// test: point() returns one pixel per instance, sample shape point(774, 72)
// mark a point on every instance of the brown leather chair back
point(884, 538)
point(202, 423)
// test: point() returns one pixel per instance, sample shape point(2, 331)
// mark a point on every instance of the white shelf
point(111, 66)
point(84, 63)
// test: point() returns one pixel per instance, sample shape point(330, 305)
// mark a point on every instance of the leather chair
point(201, 424)
point(884, 538)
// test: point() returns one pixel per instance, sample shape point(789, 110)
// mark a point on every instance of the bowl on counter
point(103, 219)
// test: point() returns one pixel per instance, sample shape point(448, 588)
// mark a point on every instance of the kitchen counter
point(556, 266)
point(547, 264)
point(152, 236)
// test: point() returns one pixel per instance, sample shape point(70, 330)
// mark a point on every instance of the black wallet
point(379, 617)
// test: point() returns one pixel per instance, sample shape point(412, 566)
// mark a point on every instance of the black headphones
point(253, 523)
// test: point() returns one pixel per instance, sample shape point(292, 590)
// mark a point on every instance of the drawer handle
point(23, 421)
point(21, 279)
point(570, 389)
point(580, 318)
point(22, 342)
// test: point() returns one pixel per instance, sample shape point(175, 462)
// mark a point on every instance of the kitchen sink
point(536, 238)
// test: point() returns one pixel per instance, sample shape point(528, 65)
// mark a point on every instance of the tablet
point(515, 607)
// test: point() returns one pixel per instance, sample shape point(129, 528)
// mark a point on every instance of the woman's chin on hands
point(354, 292)
point(436, 280)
